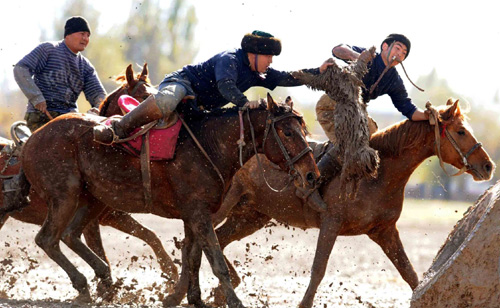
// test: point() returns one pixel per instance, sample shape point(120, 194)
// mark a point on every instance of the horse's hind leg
point(72, 238)
point(388, 239)
point(62, 208)
point(126, 223)
point(234, 229)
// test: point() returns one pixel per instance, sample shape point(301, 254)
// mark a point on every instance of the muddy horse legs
point(388, 239)
point(328, 232)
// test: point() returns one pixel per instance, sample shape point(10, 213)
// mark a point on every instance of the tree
point(162, 37)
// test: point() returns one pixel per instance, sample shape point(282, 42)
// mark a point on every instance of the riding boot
point(329, 167)
point(144, 113)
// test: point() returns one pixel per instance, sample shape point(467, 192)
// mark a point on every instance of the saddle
point(161, 139)
point(12, 150)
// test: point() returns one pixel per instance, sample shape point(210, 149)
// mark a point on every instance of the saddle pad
point(162, 142)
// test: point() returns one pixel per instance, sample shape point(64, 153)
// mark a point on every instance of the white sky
point(461, 39)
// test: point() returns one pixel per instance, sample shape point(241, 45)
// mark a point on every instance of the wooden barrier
point(466, 270)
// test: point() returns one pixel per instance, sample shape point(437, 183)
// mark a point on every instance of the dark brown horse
point(139, 87)
point(402, 148)
point(68, 169)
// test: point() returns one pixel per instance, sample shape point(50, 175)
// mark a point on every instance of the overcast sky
point(460, 39)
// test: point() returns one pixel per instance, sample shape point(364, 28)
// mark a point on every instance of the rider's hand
point(252, 104)
point(325, 65)
point(93, 110)
point(42, 107)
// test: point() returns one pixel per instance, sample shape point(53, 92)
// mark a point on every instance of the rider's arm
point(93, 88)
point(345, 52)
point(229, 90)
point(26, 83)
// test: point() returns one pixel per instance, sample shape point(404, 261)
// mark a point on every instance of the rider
point(53, 75)
point(381, 78)
point(213, 83)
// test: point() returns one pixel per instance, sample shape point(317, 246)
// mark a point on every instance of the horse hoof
point(83, 298)
point(172, 300)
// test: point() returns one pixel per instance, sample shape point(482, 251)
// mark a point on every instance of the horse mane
point(282, 109)
point(395, 139)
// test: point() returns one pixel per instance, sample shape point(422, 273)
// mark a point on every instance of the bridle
point(270, 121)
point(441, 133)
point(140, 82)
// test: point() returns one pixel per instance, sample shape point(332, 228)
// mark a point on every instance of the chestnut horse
point(69, 168)
point(402, 148)
point(139, 87)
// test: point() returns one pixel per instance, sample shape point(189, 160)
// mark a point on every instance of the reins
point(434, 120)
point(271, 120)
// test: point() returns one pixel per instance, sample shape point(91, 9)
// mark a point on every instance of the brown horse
point(75, 170)
point(139, 87)
point(402, 148)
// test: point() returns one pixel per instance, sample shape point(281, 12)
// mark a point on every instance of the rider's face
point(397, 52)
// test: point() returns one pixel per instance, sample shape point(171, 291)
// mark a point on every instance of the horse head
point(285, 143)
point(137, 86)
point(456, 144)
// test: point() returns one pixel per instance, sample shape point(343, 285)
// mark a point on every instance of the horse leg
point(200, 224)
point(328, 231)
point(61, 210)
point(388, 239)
point(182, 285)
point(234, 229)
point(126, 223)
point(3, 220)
point(93, 239)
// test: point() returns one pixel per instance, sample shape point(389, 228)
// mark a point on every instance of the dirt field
point(274, 263)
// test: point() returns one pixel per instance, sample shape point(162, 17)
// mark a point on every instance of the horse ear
point(129, 74)
point(144, 73)
point(289, 102)
point(454, 109)
point(271, 104)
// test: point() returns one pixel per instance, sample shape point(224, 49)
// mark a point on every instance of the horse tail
point(15, 194)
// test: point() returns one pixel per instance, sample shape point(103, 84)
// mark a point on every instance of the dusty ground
point(275, 268)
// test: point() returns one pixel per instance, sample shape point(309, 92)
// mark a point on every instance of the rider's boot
point(144, 113)
point(329, 167)
point(15, 193)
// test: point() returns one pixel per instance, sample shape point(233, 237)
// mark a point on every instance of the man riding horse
point(381, 78)
point(211, 84)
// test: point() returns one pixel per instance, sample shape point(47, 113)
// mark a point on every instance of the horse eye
point(287, 133)
point(461, 133)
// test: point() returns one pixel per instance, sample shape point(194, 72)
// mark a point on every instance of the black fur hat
point(262, 43)
point(394, 37)
point(76, 24)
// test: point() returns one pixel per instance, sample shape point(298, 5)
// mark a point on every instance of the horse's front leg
point(329, 228)
point(201, 225)
point(388, 239)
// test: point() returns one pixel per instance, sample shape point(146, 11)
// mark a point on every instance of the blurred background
point(451, 54)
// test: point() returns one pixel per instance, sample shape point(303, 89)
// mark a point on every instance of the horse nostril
point(311, 179)
point(488, 167)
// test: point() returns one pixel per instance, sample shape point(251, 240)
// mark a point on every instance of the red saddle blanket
point(162, 142)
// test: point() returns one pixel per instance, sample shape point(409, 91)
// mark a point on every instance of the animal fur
point(350, 119)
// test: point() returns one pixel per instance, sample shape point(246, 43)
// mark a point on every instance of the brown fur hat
point(262, 43)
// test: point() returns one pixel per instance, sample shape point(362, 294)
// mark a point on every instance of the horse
point(138, 87)
point(75, 170)
point(402, 147)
